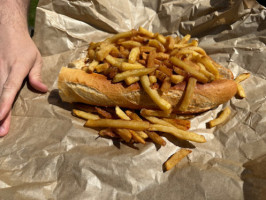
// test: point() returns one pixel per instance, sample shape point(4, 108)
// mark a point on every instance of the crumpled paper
point(48, 154)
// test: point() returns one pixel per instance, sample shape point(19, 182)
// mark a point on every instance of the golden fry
point(136, 137)
point(137, 72)
point(133, 55)
point(163, 104)
point(181, 134)
point(188, 95)
point(176, 79)
point(118, 123)
point(120, 113)
point(156, 138)
point(242, 77)
point(131, 79)
point(145, 32)
point(84, 115)
point(176, 158)
point(221, 119)
point(199, 76)
point(124, 134)
point(240, 91)
point(129, 66)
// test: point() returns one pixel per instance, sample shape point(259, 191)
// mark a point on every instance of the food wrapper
point(48, 154)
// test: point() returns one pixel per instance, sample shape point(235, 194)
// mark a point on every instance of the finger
point(9, 91)
point(5, 124)
point(35, 76)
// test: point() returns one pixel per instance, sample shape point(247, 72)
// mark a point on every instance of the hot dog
point(81, 84)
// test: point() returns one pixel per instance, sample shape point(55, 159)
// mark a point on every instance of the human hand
point(19, 57)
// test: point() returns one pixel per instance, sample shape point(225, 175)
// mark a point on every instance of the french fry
point(176, 158)
point(156, 113)
point(113, 61)
point(120, 113)
point(221, 119)
point(242, 77)
point(118, 36)
point(179, 123)
point(111, 71)
point(162, 56)
point(101, 67)
point(129, 66)
point(240, 91)
point(203, 70)
point(178, 133)
point(124, 134)
point(161, 38)
point(137, 72)
point(185, 39)
point(152, 79)
point(130, 44)
point(160, 75)
point(118, 123)
point(144, 31)
point(107, 133)
point(166, 85)
point(165, 70)
point(84, 115)
point(188, 94)
point(209, 66)
point(163, 104)
point(156, 120)
point(176, 79)
point(105, 49)
point(156, 138)
point(131, 79)
point(170, 42)
point(151, 58)
point(158, 45)
point(133, 55)
point(199, 76)
point(103, 113)
point(146, 49)
point(137, 137)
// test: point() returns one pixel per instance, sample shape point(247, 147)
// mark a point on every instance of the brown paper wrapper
point(48, 154)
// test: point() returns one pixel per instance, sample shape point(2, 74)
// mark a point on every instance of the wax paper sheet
point(48, 154)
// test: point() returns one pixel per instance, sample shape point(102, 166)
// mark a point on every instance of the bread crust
point(76, 85)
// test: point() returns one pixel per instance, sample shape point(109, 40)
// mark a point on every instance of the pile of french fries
point(156, 62)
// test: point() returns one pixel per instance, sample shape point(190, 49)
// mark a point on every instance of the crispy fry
point(158, 45)
point(203, 70)
point(161, 38)
point(131, 79)
point(221, 119)
point(162, 56)
point(146, 49)
point(170, 42)
point(242, 77)
point(209, 66)
point(188, 94)
point(107, 133)
point(103, 113)
point(129, 66)
point(165, 70)
point(179, 123)
point(176, 158)
point(84, 115)
point(151, 58)
point(156, 113)
point(176, 79)
point(199, 76)
point(166, 85)
point(120, 113)
point(130, 44)
point(163, 104)
point(133, 55)
point(240, 91)
point(105, 49)
point(136, 137)
point(122, 35)
point(145, 32)
point(124, 134)
point(178, 133)
point(118, 123)
point(153, 79)
point(137, 72)
point(156, 138)
point(113, 61)
point(101, 67)
point(160, 75)
point(111, 71)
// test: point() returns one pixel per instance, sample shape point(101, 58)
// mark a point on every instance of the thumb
point(35, 79)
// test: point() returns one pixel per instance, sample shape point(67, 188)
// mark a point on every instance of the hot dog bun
point(75, 85)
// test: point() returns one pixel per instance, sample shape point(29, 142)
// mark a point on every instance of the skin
point(19, 57)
